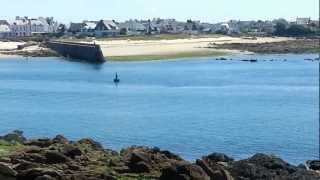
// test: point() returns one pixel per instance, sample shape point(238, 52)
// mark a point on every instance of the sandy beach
point(9, 45)
point(119, 49)
point(4, 46)
point(160, 49)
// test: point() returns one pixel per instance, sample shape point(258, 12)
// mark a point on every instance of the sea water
point(192, 106)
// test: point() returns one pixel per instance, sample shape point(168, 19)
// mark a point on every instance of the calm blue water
point(191, 107)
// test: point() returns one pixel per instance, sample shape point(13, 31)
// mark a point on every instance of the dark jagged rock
point(184, 171)
point(73, 167)
point(206, 167)
point(7, 178)
point(5, 159)
point(139, 157)
point(45, 177)
point(35, 157)
point(71, 151)
point(314, 165)
point(270, 162)
point(60, 139)
point(212, 165)
point(247, 170)
point(107, 177)
point(219, 157)
point(221, 174)
point(15, 136)
point(144, 159)
point(170, 155)
point(138, 162)
point(55, 157)
point(302, 175)
point(262, 166)
point(45, 142)
point(95, 145)
point(23, 157)
point(140, 167)
point(35, 173)
point(7, 171)
point(25, 165)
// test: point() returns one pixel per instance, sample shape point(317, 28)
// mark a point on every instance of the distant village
point(42, 26)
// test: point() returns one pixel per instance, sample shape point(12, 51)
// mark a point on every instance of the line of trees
point(283, 28)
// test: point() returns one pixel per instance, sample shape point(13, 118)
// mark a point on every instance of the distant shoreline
point(161, 49)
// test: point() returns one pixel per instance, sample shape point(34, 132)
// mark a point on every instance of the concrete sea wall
point(78, 51)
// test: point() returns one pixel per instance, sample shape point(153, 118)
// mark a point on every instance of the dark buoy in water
point(116, 79)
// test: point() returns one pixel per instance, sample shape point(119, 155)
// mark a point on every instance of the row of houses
point(138, 27)
point(24, 26)
point(95, 28)
point(161, 26)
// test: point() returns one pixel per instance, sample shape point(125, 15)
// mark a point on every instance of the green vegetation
point(205, 53)
point(7, 148)
point(283, 28)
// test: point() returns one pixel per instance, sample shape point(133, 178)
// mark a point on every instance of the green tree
point(298, 30)
point(280, 29)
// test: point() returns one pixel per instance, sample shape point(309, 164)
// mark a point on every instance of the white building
point(133, 27)
point(23, 26)
point(20, 27)
point(303, 21)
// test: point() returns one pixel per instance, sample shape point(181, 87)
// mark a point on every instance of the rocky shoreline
point(61, 159)
point(36, 53)
point(298, 46)
point(30, 49)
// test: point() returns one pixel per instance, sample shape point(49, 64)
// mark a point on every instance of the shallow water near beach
point(191, 107)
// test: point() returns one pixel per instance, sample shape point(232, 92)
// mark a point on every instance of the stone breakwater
point(61, 159)
point(81, 51)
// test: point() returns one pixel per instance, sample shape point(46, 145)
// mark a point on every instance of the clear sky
point(204, 10)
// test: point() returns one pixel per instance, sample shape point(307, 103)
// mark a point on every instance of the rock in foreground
point(86, 159)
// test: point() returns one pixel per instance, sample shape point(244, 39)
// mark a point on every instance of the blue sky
point(204, 10)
